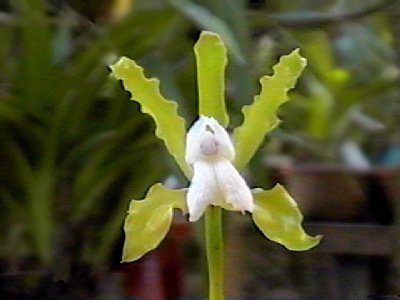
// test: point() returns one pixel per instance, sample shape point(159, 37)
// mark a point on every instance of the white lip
point(209, 151)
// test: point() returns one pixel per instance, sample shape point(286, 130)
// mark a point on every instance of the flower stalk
point(215, 252)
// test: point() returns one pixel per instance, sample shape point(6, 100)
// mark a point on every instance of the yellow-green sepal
point(211, 59)
point(170, 127)
point(278, 217)
point(149, 220)
point(261, 116)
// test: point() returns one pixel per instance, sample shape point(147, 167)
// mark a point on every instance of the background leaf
point(73, 151)
point(278, 217)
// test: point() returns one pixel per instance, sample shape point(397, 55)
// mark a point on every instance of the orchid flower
point(209, 159)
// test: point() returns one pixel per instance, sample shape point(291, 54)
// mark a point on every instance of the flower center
point(209, 146)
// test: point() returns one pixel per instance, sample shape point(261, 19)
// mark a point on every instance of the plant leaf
point(277, 215)
point(170, 126)
point(34, 69)
point(261, 116)
point(211, 62)
point(148, 220)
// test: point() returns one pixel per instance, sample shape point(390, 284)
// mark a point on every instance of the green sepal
point(211, 61)
point(261, 116)
point(170, 127)
point(149, 220)
point(278, 217)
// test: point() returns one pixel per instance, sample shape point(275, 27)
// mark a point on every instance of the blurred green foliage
point(73, 152)
point(352, 71)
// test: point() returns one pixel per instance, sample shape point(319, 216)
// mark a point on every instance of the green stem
point(215, 252)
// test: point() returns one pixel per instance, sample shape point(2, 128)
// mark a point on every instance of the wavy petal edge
point(170, 127)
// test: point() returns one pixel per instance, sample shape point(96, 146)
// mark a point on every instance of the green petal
point(170, 127)
point(261, 116)
point(277, 215)
point(149, 220)
point(211, 62)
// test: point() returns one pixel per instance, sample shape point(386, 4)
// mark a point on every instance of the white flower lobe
point(209, 151)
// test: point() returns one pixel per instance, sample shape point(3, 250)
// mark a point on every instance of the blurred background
point(74, 150)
